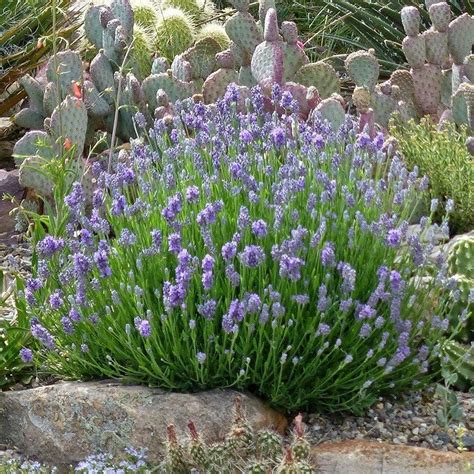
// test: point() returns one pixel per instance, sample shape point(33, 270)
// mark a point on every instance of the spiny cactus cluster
point(243, 450)
point(440, 80)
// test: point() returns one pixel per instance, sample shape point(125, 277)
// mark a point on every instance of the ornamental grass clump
point(245, 250)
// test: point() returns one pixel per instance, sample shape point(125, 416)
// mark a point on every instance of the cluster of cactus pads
point(243, 450)
point(259, 52)
point(440, 82)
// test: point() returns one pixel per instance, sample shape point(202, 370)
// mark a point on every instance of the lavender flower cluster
point(243, 248)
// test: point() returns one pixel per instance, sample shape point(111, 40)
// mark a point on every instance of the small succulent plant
point(243, 450)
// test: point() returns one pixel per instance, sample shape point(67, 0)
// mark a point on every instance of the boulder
point(66, 422)
point(9, 184)
point(367, 457)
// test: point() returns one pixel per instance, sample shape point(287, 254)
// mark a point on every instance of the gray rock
point(364, 457)
point(65, 423)
point(9, 184)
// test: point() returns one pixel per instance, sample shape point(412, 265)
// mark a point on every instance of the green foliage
point(293, 347)
point(458, 364)
point(442, 156)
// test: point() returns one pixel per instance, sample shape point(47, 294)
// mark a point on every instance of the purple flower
point(259, 228)
point(68, 327)
point(252, 256)
point(201, 357)
point(127, 238)
point(192, 194)
point(366, 312)
point(173, 295)
point(102, 262)
point(278, 136)
point(26, 355)
point(253, 303)
point(245, 136)
point(300, 299)
point(323, 330)
point(290, 267)
point(207, 309)
point(84, 348)
point(49, 246)
point(208, 263)
point(42, 334)
point(328, 258)
point(229, 250)
point(56, 300)
point(365, 330)
point(144, 328)
point(174, 243)
point(394, 238)
point(244, 218)
point(76, 199)
point(207, 280)
point(348, 277)
point(82, 264)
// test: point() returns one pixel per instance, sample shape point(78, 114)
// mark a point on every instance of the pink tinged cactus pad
point(35, 92)
point(427, 83)
point(436, 47)
point(414, 48)
point(461, 37)
point(440, 15)
point(244, 32)
point(69, 122)
point(216, 84)
point(267, 60)
point(469, 67)
point(411, 20)
point(363, 68)
point(29, 119)
point(320, 75)
point(331, 110)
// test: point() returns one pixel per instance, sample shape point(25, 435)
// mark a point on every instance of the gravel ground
point(410, 420)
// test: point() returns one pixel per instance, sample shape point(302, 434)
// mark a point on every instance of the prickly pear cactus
point(267, 60)
point(320, 75)
point(332, 110)
point(243, 31)
point(66, 132)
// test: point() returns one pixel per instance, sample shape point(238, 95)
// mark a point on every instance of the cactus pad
point(320, 75)
point(363, 68)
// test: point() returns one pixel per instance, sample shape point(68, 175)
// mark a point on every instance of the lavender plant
point(244, 249)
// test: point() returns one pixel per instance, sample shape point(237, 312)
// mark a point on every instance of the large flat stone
point(64, 423)
point(9, 184)
point(368, 457)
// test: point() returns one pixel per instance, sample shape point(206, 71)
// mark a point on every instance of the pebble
point(408, 420)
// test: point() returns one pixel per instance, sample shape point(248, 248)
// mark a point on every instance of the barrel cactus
point(243, 450)
point(174, 32)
